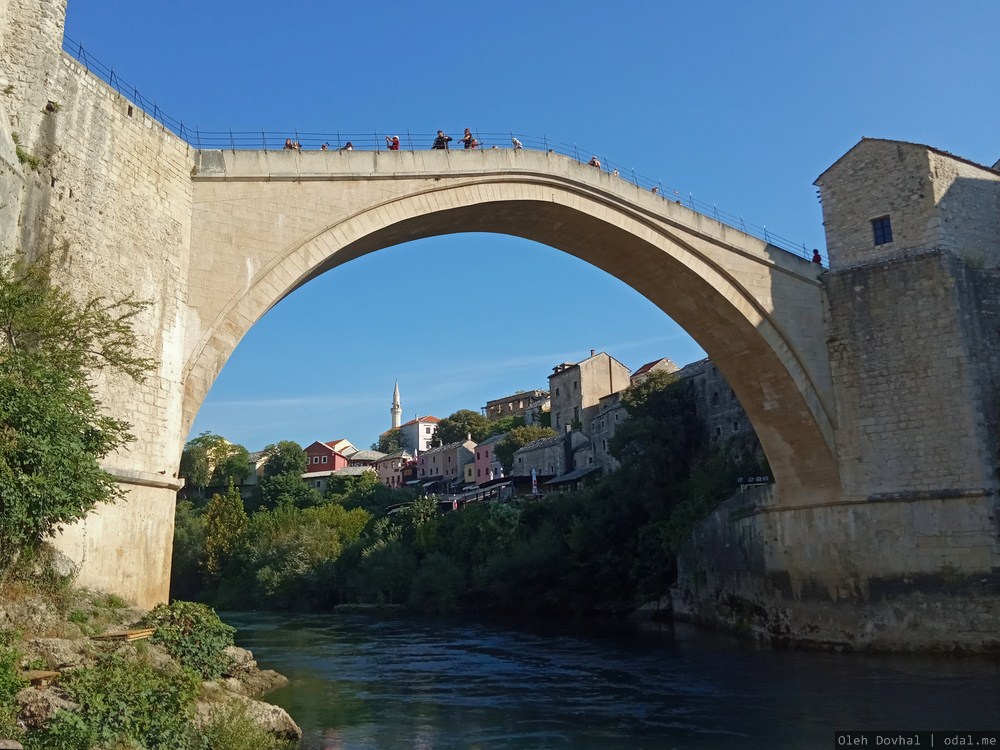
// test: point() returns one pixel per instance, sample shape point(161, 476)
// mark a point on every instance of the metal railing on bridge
point(264, 140)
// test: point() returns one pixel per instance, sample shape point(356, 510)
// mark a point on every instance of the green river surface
point(366, 681)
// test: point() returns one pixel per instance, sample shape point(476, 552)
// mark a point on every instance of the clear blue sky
point(741, 104)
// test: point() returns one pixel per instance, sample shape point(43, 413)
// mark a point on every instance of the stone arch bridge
point(872, 386)
point(264, 223)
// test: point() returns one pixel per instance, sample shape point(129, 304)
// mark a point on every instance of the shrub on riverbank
point(124, 702)
point(194, 635)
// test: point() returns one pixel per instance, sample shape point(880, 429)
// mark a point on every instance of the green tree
point(281, 483)
point(225, 525)
point(53, 432)
point(285, 457)
point(516, 439)
point(186, 567)
point(506, 424)
point(210, 460)
point(392, 441)
point(234, 466)
point(288, 561)
point(662, 437)
point(462, 423)
point(287, 490)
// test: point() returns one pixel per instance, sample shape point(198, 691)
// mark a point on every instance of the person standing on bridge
point(392, 143)
point(441, 142)
point(516, 144)
point(594, 162)
point(816, 257)
point(468, 140)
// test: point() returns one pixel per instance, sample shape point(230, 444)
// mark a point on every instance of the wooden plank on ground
point(125, 635)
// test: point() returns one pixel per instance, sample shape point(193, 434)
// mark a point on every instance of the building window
point(882, 230)
point(736, 426)
point(557, 421)
point(574, 385)
point(315, 459)
point(324, 459)
point(427, 430)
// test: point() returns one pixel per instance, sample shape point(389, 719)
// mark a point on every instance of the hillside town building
point(575, 390)
point(516, 405)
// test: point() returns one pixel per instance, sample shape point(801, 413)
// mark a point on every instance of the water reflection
point(360, 682)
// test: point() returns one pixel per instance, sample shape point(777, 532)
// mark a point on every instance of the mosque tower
point(397, 409)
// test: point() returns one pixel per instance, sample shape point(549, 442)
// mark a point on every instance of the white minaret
point(397, 409)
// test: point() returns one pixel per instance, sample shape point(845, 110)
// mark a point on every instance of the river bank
point(79, 668)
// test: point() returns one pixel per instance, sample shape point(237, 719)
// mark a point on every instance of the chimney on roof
point(593, 352)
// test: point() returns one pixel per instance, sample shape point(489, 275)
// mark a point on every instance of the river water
point(361, 682)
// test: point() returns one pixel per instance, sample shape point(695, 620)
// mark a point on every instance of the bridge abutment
point(909, 556)
point(906, 574)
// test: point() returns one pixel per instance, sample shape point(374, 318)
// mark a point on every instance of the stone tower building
point(913, 325)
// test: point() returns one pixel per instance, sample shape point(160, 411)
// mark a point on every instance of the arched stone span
point(284, 218)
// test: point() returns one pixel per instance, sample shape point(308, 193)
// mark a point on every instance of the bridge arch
point(756, 310)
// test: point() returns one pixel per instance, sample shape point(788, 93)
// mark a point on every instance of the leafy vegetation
point(231, 728)
point(212, 461)
point(225, 523)
point(124, 703)
point(608, 548)
point(33, 162)
point(194, 635)
point(392, 441)
point(53, 433)
point(460, 425)
point(10, 683)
